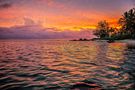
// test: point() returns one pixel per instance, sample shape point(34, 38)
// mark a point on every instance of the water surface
point(56, 65)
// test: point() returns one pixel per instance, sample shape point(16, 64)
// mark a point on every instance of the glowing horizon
point(62, 14)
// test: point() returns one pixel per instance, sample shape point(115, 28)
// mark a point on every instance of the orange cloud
point(56, 14)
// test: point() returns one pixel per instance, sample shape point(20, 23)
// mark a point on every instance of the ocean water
point(59, 64)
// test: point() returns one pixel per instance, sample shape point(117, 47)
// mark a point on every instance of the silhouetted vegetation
point(103, 30)
point(127, 30)
point(81, 39)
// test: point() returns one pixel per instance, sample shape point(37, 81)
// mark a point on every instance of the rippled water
point(56, 65)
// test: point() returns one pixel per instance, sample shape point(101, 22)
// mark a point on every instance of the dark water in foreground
point(56, 65)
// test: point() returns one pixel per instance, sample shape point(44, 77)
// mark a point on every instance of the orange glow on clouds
point(64, 15)
point(72, 22)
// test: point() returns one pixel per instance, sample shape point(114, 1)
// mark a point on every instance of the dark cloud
point(5, 5)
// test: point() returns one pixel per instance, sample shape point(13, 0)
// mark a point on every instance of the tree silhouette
point(128, 23)
point(127, 30)
point(103, 29)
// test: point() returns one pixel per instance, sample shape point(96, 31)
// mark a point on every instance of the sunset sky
point(62, 14)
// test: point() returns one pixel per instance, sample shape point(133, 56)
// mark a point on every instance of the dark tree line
point(127, 30)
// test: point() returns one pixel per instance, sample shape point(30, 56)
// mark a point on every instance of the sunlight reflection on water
point(42, 64)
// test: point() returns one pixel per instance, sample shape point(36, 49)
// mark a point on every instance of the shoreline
point(130, 42)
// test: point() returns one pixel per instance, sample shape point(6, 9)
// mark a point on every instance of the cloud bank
point(33, 30)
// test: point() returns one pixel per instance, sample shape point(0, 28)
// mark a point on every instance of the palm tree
point(128, 23)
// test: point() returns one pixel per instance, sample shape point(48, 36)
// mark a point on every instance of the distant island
point(81, 39)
